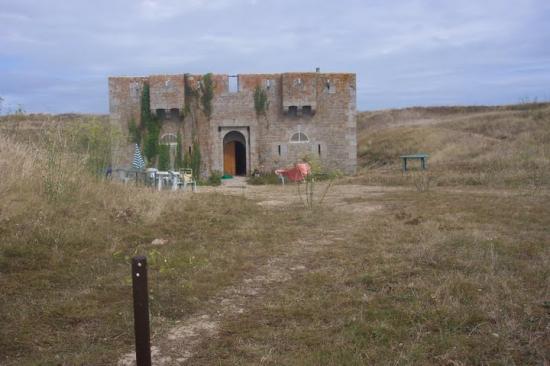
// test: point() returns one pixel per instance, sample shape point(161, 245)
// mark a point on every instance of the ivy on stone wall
point(145, 108)
point(196, 99)
point(196, 158)
point(179, 163)
point(164, 157)
point(149, 127)
point(260, 101)
point(207, 94)
point(134, 132)
point(190, 96)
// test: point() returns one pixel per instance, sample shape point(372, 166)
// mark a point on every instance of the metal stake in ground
point(141, 311)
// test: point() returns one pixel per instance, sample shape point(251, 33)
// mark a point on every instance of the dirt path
point(180, 343)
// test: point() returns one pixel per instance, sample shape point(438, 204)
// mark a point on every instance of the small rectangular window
point(279, 149)
point(319, 149)
point(293, 110)
point(330, 87)
point(189, 149)
point(233, 81)
point(161, 113)
point(174, 113)
point(135, 91)
point(306, 110)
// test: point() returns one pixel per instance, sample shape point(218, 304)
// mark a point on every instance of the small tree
point(151, 144)
point(311, 197)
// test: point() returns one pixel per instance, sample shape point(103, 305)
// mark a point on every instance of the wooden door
point(229, 161)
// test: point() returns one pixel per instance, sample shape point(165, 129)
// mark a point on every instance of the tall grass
point(66, 239)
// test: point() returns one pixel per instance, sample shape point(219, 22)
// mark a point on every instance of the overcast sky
point(55, 56)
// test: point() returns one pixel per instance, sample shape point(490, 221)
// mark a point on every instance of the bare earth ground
point(179, 344)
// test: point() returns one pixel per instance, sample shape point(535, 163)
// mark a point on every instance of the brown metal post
point(141, 311)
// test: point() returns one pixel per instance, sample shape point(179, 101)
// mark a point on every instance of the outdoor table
point(161, 176)
point(151, 176)
point(422, 157)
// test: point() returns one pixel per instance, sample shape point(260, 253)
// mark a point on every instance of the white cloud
point(165, 9)
point(399, 49)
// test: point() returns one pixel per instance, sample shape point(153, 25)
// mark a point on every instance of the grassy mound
point(501, 146)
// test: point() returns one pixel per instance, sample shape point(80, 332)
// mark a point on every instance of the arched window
point(169, 139)
point(299, 137)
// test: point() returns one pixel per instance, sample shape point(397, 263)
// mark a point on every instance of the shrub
point(164, 157)
point(151, 145)
point(422, 180)
point(268, 178)
point(215, 178)
point(93, 142)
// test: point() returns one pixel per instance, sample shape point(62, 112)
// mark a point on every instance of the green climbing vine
point(148, 131)
point(207, 94)
point(196, 99)
point(196, 158)
point(134, 132)
point(164, 157)
point(261, 104)
point(179, 162)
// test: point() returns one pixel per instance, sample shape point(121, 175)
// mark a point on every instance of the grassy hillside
point(496, 146)
point(30, 128)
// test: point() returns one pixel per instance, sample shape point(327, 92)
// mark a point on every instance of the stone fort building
point(310, 113)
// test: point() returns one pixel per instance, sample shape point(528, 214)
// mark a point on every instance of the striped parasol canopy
point(138, 162)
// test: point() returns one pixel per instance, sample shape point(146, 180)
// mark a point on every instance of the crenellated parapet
point(166, 91)
point(299, 92)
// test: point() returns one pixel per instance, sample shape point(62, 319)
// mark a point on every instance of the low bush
point(262, 179)
point(215, 178)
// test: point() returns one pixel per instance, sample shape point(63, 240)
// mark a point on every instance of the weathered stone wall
point(330, 124)
point(124, 105)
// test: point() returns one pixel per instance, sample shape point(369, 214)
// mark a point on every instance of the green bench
point(422, 157)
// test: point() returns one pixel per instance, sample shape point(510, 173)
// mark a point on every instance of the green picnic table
point(422, 157)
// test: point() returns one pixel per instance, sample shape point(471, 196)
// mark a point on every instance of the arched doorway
point(234, 153)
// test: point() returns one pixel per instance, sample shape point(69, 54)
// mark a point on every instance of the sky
point(56, 56)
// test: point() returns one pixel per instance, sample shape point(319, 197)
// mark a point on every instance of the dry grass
point(496, 147)
point(66, 243)
point(29, 128)
point(455, 275)
point(434, 279)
